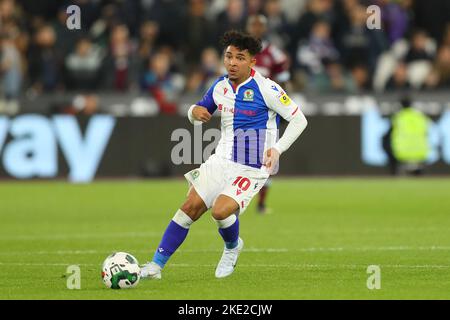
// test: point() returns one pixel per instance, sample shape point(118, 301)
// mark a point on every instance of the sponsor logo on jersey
point(249, 95)
point(225, 90)
point(238, 192)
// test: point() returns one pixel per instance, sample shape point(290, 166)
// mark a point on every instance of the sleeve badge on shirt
point(284, 99)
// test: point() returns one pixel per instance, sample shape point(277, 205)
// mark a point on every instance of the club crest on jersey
point(195, 174)
point(284, 99)
point(249, 95)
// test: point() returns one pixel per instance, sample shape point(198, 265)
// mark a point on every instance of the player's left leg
point(224, 212)
point(175, 234)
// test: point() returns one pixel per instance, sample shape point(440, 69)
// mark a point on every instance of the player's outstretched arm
point(198, 113)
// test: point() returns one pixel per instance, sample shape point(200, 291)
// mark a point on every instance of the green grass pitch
point(317, 243)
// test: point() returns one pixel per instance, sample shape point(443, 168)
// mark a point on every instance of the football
point(121, 270)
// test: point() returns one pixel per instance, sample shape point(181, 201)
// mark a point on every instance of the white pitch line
point(92, 236)
point(38, 264)
point(290, 266)
point(252, 250)
point(82, 236)
point(320, 266)
point(88, 252)
point(151, 234)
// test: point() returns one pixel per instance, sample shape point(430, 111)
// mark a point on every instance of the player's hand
point(271, 158)
point(201, 114)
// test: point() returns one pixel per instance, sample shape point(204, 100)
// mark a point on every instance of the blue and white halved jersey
point(250, 116)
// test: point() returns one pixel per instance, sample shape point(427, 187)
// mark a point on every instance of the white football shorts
point(218, 176)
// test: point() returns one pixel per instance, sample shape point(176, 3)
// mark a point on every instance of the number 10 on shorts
point(242, 183)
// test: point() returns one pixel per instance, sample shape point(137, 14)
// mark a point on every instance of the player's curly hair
point(242, 41)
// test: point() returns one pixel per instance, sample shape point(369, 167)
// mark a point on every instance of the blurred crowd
point(167, 48)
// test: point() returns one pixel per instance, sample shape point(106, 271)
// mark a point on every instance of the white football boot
point(228, 261)
point(151, 270)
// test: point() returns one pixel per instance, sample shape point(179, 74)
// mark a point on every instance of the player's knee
point(193, 210)
point(189, 209)
point(220, 213)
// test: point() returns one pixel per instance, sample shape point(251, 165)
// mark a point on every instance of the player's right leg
point(175, 234)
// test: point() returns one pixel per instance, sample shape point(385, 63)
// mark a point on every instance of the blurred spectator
point(271, 62)
point(45, 61)
point(316, 10)
point(413, 55)
point(232, 18)
point(65, 38)
point(83, 66)
point(19, 35)
point(338, 79)
point(418, 49)
point(406, 142)
point(334, 79)
point(277, 25)
point(341, 20)
point(216, 7)
point(446, 37)
point(198, 32)
point(293, 9)
point(359, 45)
point(201, 78)
point(149, 33)
point(440, 74)
point(396, 16)
point(10, 68)
point(361, 78)
point(318, 50)
point(399, 80)
point(121, 61)
point(168, 14)
point(9, 12)
point(131, 15)
point(254, 7)
point(101, 28)
point(162, 83)
point(418, 58)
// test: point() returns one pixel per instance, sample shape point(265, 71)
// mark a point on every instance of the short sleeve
point(278, 100)
point(208, 101)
